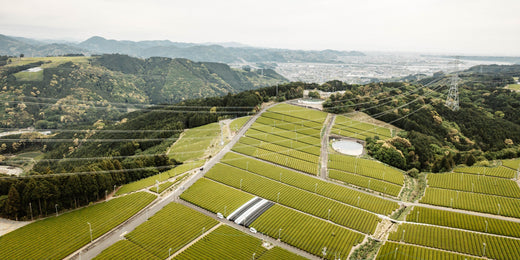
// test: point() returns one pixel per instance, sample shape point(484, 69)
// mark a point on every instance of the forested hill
point(485, 128)
point(81, 89)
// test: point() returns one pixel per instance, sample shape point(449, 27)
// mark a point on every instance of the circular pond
point(348, 147)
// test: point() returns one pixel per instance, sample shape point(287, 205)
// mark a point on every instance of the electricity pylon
point(452, 100)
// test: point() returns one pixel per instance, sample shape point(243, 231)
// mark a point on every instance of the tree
point(22, 55)
point(314, 94)
point(471, 160)
point(12, 206)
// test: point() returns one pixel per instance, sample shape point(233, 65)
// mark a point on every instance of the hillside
point(486, 127)
point(78, 90)
point(281, 176)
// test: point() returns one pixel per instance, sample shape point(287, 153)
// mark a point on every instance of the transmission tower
point(452, 101)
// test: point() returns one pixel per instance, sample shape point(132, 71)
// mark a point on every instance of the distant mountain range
point(229, 52)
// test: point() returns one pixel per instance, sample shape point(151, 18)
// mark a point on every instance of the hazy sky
point(447, 26)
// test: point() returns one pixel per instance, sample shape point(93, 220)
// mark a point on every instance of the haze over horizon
point(431, 26)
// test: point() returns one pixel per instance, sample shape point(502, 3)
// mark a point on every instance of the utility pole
point(30, 207)
point(90, 229)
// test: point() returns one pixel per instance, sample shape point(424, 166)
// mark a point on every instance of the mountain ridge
point(228, 52)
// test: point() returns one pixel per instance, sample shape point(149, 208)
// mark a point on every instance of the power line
point(112, 103)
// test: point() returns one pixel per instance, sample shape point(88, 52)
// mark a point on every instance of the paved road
point(325, 145)
point(97, 246)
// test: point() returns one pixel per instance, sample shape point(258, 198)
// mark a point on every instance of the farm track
point(325, 145)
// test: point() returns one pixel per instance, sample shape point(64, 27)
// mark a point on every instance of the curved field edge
point(57, 237)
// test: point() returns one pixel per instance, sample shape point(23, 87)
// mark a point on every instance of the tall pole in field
point(225, 208)
point(247, 166)
point(484, 249)
point(486, 226)
point(280, 177)
point(240, 183)
point(90, 229)
point(328, 216)
point(30, 207)
point(355, 165)
point(279, 233)
point(402, 239)
point(106, 195)
point(316, 188)
point(169, 252)
point(417, 216)
point(358, 198)
point(56, 206)
point(498, 208)
point(278, 198)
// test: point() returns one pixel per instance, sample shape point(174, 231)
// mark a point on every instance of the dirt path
point(324, 155)
point(7, 225)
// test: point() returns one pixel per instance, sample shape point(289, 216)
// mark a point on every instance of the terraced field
point(284, 141)
point(277, 158)
point(224, 243)
point(306, 232)
point(300, 112)
point(215, 197)
point(127, 249)
point(464, 221)
point(172, 227)
point(57, 237)
point(365, 167)
point(348, 127)
point(512, 163)
point(499, 171)
point(308, 183)
point(194, 142)
point(476, 244)
point(472, 201)
point(366, 182)
point(150, 181)
point(392, 251)
point(475, 183)
point(305, 201)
